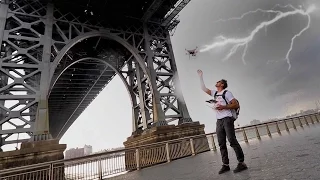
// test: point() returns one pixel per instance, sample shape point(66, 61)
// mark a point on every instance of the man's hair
point(225, 83)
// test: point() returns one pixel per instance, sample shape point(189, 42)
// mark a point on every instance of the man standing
point(225, 123)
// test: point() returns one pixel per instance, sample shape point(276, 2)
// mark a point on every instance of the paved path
point(287, 157)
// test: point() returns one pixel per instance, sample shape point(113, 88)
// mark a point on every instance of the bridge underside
point(116, 12)
point(78, 83)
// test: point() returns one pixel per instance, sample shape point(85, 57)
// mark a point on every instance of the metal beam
point(171, 14)
point(17, 97)
point(141, 90)
point(151, 10)
point(158, 114)
point(41, 125)
point(135, 110)
point(20, 66)
point(18, 130)
point(3, 17)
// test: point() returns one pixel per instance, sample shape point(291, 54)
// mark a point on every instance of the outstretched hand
point(200, 73)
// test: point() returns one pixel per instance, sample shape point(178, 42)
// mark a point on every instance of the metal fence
point(104, 165)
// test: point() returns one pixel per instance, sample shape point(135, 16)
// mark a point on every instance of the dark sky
point(264, 85)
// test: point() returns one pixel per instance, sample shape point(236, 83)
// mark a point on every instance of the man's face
point(219, 84)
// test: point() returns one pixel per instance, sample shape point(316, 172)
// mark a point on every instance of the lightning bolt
point(255, 11)
point(222, 41)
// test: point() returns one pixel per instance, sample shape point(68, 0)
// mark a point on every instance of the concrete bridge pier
point(155, 135)
point(32, 153)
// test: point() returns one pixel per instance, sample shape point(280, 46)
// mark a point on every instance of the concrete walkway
point(287, 157)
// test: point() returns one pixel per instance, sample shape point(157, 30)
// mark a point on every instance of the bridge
point(55, 61)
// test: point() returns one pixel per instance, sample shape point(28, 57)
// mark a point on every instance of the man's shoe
point(241, 166)
point(224, 169)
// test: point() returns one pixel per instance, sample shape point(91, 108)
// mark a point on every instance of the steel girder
point(40, 68)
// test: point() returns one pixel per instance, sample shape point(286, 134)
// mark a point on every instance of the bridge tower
point(57, 55)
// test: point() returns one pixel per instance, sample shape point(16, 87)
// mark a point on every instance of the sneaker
point(240, 167)
point(224, 168)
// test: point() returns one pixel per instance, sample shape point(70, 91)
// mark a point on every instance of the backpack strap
point(224, 96)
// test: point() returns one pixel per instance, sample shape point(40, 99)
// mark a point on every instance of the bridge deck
point(294, 156)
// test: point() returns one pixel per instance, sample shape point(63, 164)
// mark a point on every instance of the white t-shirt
point(220, 101)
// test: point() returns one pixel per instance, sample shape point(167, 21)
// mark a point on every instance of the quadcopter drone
point(192, 52)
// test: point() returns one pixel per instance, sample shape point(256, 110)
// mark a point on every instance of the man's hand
point(200, 73)
point(233, 105)
point(203, 87)
point(219, 108)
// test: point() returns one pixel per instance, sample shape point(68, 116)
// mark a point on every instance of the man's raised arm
point(203, 86)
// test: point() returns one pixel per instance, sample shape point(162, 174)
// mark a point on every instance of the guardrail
point(107, 164)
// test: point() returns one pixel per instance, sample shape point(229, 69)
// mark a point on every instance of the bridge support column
point(186, 118)
point(138, 86)
point(4, 78)
point(168, 102)
point(158, 113)
point(135, 109)
point(164, 77)
point(41, 147)
point(41, 127)
point(145, 116)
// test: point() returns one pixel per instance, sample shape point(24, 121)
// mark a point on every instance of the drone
point(192, 52)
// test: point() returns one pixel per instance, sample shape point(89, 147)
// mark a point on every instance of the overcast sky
point(264, 86)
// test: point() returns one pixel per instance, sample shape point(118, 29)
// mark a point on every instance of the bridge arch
point(107, 64)
point(111, 37)
point(55, 79)
point(107, 35)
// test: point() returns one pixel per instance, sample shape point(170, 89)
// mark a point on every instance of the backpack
point(235, 112)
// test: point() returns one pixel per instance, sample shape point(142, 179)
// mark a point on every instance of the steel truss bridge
point(58, 55)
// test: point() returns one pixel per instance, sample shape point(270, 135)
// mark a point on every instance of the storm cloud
point(265, 79)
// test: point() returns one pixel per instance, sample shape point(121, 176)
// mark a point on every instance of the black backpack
point(236, 112)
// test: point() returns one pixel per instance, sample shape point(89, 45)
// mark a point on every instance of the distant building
point(78, 152)
point(253, 122)
point(74, 153)
point(87, 150)
point(108, 150)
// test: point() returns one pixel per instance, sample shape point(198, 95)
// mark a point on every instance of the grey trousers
point(225, 129)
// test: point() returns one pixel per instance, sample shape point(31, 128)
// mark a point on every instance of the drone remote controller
point(211, 101)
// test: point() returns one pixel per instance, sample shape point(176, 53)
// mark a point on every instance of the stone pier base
point(33, 153)
point(164, 133)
